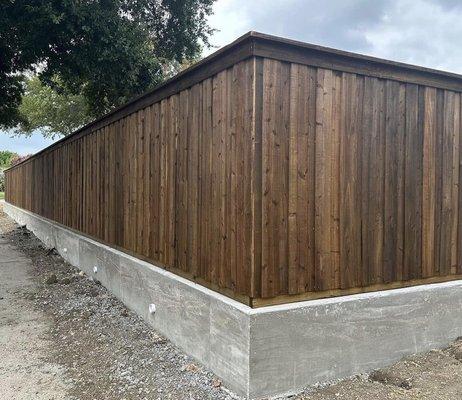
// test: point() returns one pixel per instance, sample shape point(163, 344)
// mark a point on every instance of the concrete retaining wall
point(207, 325)
point(271, 350)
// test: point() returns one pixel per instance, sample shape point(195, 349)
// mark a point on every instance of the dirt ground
point(63, 336)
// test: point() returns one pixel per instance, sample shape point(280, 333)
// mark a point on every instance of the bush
point(2, 181)
point(19, 159)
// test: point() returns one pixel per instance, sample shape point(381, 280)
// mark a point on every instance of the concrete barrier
point(272, 350)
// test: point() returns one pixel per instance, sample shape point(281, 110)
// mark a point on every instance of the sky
point(23, 145)
point(421, 32)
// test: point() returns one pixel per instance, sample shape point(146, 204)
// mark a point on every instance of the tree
point(106, 50)
point(52, 112)
point(6, 157)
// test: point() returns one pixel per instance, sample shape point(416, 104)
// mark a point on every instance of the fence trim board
point(296, 298)
point(288, 50)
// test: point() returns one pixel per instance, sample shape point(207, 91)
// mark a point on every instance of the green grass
point(2, 195)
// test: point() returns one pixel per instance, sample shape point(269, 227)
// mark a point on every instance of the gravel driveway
point(63, 336)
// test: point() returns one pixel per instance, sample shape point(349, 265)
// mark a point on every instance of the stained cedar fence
point(272, 171)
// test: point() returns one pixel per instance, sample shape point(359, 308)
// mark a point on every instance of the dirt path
point(63, 336)
point(24, 371)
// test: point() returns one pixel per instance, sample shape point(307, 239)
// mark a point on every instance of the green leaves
point(54, 113)
point(6, 157)
point(104, 52)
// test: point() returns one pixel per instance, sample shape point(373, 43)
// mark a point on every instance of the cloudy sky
point(422, 32)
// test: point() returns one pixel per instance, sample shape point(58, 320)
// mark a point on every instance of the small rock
point(81, 273)
point(51, 250)
point(458, 354)
point(52, 279)
point(124, 313)
point(390, 379)
point(87, 314)
point(65, 281)
point(216, 383)
point(191, 368)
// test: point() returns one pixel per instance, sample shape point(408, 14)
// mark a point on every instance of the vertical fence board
point(350, 181)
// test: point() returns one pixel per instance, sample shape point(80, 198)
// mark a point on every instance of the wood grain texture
point(373, 174)
point(302, 179)
point(429, 209)
point(170, 183)
point(326, 177)
point(276, 88)
point(270, 180)
point(350, 183)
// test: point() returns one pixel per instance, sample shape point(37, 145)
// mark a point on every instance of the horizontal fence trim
point(286, 299)
point(318, 56)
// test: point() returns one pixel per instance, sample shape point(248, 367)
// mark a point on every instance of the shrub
point(18, 159)
point(2, 181)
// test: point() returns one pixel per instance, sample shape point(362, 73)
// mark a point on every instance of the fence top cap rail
point(277, 40)
point(252, 43)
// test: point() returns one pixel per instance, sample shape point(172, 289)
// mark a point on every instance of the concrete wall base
point(272, 350)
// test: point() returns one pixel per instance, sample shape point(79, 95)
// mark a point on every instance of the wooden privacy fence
point(272, 171)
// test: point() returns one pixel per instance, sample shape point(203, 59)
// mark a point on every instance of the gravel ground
point(107, 351)
point(104, 351)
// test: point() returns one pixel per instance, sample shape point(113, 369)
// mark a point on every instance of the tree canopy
point(104, 52)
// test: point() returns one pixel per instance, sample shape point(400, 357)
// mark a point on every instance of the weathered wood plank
point(326, 148)
point(394, 181)
point(372, 181)
point(193, 226)
point(447, 183)
point(276, 83)
point(429, 184)
point(256, 171)
point(350, 180)
point(413, 187)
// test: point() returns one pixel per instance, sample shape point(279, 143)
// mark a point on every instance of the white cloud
point(420, 32)
point(230, 22)
point(423, 32)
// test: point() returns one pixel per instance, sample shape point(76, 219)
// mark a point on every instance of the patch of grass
point(2, 195)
